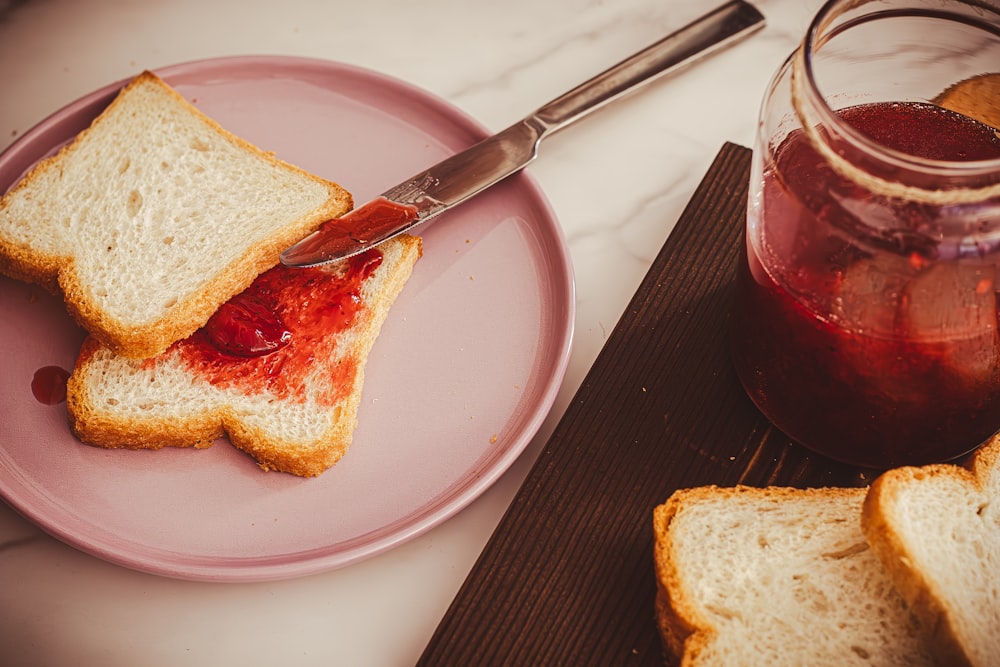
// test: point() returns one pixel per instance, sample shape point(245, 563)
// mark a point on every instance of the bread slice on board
point(154, 216)
point(937, 531)
point(775, 577)
point(293, 409)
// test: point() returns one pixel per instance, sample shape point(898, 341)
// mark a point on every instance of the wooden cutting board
point(567, 577)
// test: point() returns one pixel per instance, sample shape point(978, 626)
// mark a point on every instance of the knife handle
point(696, 40)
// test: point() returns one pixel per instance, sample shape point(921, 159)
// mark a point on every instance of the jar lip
point(816, 36)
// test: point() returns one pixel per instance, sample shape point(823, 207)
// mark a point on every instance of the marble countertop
point(643, 157)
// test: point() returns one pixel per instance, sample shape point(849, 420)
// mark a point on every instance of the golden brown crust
point(58, 274)
point(37, 268)
point(985, 461)
point(302, 461)
point(677, 620)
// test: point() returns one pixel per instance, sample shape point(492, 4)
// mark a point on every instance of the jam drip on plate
point(48, 385)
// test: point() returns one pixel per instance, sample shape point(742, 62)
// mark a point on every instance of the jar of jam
point(867, 314)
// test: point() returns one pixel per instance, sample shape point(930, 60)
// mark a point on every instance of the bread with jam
point(279, 368)
point(153, 216)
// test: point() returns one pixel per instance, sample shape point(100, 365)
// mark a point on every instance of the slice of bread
point(937, 531)
point(775, 576)
point(153, 217)
point(293, 409)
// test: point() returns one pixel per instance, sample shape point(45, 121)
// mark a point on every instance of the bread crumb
point(493, 439)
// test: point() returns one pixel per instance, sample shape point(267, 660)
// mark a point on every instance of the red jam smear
point(283, 328)
point(48, 385)
point(890, 387)
point(247, 326)
point(376, 218)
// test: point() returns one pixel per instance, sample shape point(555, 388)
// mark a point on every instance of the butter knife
point(455, 179)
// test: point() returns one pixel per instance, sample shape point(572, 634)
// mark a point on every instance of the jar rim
point(819, 33)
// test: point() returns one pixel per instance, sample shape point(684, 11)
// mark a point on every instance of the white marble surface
point(495, 60)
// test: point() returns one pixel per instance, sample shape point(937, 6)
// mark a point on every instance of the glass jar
point(866, 317)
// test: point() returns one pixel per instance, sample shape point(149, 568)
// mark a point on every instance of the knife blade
point(458, 177)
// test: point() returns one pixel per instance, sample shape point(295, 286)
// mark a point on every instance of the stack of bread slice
point(147, 223)
point(901, 573)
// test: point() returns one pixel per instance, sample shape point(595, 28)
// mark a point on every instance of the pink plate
point(465, 369)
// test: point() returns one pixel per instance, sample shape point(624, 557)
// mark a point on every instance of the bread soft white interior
point(776, 577)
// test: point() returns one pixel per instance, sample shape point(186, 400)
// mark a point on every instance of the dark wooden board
point(567, 577)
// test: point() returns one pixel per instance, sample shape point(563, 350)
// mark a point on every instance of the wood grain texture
point(567, 577)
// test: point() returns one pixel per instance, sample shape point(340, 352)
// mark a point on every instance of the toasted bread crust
point(58, 273)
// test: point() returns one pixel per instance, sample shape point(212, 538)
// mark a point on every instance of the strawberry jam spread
point(378, 217)
point(283, 328)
